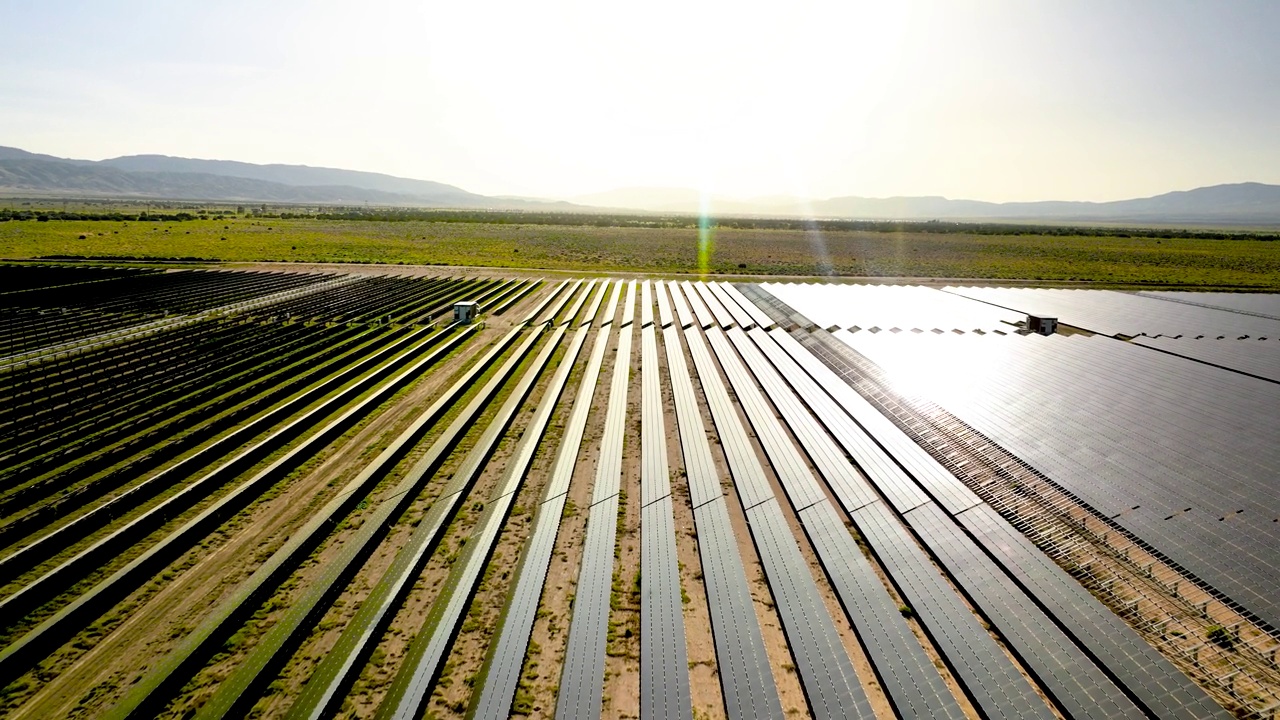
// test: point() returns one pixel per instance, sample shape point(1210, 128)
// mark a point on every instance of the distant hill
point(164, 177)
point(62, 178)
point(296, 175)
point(1241, 203)
point(161, 176)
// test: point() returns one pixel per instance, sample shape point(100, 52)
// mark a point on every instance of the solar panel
point(1074, 681)
point(582, 677)
point(825, 669)
point(1122, 427)
point(507, 656)
point(745, 677)
point(1116, 313)
point(664, 676)
point(664, 303)
point(1157, 684)
point(705, 318)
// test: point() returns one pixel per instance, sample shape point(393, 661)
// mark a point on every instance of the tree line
point(48, 215)
point(508, 217)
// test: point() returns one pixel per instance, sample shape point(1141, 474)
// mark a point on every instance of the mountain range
point(162, 177)
point(1233, 204)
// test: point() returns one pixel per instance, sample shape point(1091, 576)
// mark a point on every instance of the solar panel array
point(664, 672)
point(1010, 580)
point(506, 658)
point(746, 679)
point(846, 561)
point(1266, 304)
point(824, 667)
point(1065, 672)
point(1118, 313)
point(581, 688)
point(1258, 358)
point(1180, 453)
point(1065, 651)
point(912, 683)
point(894, 308)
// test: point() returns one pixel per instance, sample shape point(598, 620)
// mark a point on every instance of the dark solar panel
point(745, 677)
point(1074, 681)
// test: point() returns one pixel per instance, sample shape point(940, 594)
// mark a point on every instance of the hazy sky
point(993, 99)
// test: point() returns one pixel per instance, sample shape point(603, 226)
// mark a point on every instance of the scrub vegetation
point(1109, 256)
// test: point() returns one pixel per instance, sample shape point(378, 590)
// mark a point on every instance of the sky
point(994, 100)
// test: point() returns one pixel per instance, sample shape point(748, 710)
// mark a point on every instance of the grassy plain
point(1243, 263)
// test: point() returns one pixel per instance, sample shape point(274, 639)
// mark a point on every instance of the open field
point(1111, 259)
point(258, 494)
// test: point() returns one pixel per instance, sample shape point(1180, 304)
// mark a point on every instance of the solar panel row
point(506, 656)
point(1179, 453)
point(588, 317)
point(901, 308)
point(664, 303)
point(1257, 358)
point(1117, 313)
point(746, 680)
point(986, 674)
point(582, 677)
point(1153, 681)
point(825, 670)
point(612, 308)
point(1261, 304)
point(912, 682)
point(1150, 679)
point(646, 304)
point(664, 671)
point(629, 306)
